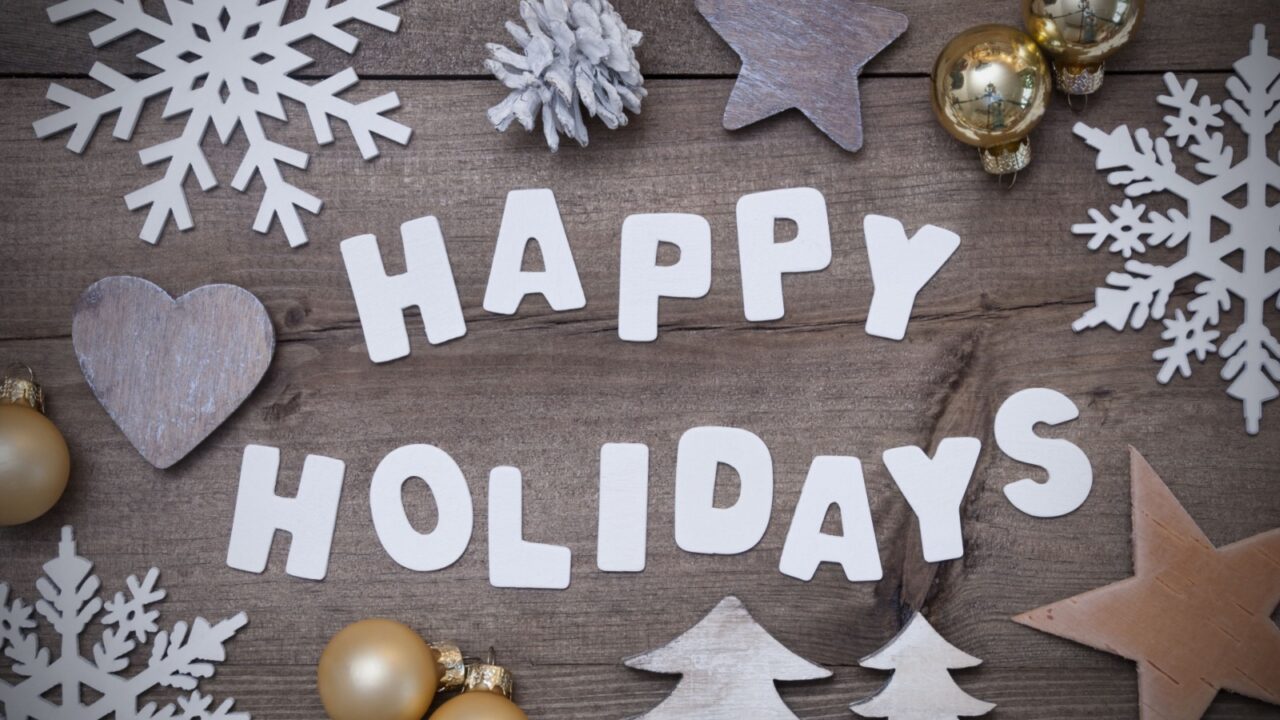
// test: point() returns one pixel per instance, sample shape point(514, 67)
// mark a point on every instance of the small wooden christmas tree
point(921, 687)
point(729, 664)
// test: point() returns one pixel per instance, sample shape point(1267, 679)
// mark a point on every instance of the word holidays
point(933, 487)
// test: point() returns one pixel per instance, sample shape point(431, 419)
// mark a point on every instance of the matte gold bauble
point(34, 460)
point(1080, 35)
point(487, 696)
point(479, 706)
point(382, 670)
point(990, 89)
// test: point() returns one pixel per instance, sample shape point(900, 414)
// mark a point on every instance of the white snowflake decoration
point(178, 659)
point(1145, 165)
point(225, 62)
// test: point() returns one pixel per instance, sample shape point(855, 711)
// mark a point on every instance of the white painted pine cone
point(573, 54)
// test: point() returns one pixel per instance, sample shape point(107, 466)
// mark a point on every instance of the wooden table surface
point(544, 390)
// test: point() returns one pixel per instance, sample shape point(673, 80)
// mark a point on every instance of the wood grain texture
point(447, 37)
point(805, 56)
point(543, 390)
point(170, 371)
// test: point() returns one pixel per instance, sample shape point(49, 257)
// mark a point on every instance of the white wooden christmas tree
point(921, 687)
point(729, 664)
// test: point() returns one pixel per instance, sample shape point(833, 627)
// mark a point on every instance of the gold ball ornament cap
point(487, 696)
point(1006, 159)
point(990, 88)
point(453, 668)
point(21, 391)
point(1080, 35)
point(486, 677)
point(35, 463)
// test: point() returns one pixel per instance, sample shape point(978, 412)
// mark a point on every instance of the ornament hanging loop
point(16, 390)
point(21, 366)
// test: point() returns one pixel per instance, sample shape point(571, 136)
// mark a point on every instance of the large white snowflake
point(225, 62)
point(179, 658)
point(1145, 165)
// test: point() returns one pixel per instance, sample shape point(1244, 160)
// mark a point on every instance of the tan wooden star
point(804, 55)
point(1196, 619)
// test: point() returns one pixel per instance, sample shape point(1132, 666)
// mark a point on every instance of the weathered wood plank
point(544, 390)
point(448, 37)
point(1017, 248)
point(545, 399)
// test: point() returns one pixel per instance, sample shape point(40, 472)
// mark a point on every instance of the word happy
point(932, 486)
point(900, 267)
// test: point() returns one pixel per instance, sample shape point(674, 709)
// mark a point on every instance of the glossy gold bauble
point(34, 460)
point(1080, 35)
point(991, 87)
point(377, 670)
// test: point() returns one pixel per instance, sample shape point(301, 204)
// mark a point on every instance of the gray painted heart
point(169, 371)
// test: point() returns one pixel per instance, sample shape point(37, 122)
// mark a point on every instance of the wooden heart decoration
point(169, 371)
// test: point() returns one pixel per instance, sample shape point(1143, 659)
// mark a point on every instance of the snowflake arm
point(1253, 364)
point(68, 590)
point(1132, 297)
point(1127, 229)
point(167, 197)
point(1191, 336)
point(280, 199)
point(1193, 123)
point(83, 113)
point(1142, 164)
point(18, 644)
point(327, 20)
point(1254, 90)
point(365, 119)
point(181, 657)
point(131, 615)
point(127, 17)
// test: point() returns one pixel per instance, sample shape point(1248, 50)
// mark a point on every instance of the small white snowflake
point(1143, 165)
point(225, 63)
point(179, 658)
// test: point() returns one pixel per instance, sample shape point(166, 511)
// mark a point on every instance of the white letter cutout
point(900, 268)
point(764, 261)
point(624, 507)
point(441, 547)
point(309, 518)
point(1070, 473)
point(642, 281)
point(701, 527)
point(532, 215)
point(427, 283)
point(513, 561)
point(934, 488)
point(838, 481)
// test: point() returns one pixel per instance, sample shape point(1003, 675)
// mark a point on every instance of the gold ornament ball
point(990, 89)
point(1080, 35)
point(34, 464)
point(479, 705)
point(377, 670)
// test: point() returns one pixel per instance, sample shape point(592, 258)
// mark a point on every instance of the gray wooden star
point(804, 55)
